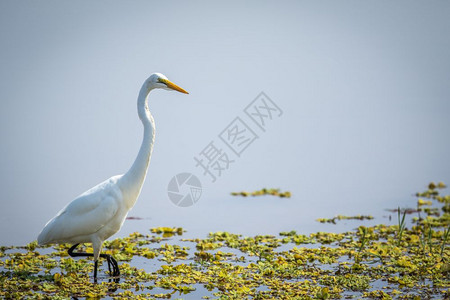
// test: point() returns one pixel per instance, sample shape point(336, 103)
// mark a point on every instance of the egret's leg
point(95, 270)
point(71, 251)
point(116, 271)
point(111, 261)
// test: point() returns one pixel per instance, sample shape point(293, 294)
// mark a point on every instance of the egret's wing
point(83, 216)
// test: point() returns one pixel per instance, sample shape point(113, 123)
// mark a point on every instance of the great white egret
point(100, 212)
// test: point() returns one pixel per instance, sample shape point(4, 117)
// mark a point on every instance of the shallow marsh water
point(409, 260)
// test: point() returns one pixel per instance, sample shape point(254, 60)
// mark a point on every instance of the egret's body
point(99, 213)
point(92, 217)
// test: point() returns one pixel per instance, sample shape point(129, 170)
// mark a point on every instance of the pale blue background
point(364, 86)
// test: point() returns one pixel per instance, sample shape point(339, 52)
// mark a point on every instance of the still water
point(329, 165)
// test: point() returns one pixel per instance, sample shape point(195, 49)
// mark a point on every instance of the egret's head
point(159, 81)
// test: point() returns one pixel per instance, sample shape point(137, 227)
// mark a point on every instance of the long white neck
point(132, 181)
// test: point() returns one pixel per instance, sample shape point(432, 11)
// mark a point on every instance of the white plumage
point(92, 217)
point(100, 212)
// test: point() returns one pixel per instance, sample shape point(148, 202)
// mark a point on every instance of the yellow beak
point(173, 86)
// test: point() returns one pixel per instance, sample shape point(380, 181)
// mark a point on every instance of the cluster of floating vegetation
point(264, 192)
point(341, 217)
point(168, 231)
point(378, 262)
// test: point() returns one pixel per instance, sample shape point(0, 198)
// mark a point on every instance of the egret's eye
point(160, 80)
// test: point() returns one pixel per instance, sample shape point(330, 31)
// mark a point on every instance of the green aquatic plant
point(422, 241)
point(429, 237)
point(263, 192)
point(363, 239)
point(167, 231)
point(341, 217)
point(401, 226)
point(444, 241)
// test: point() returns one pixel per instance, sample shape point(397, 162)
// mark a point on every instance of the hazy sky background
point(364, 87)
